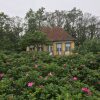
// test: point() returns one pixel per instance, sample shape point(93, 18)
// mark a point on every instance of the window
point(40, 48)
point(31, 48)
point(68, 46)
point(50, 48)
point(58, 47)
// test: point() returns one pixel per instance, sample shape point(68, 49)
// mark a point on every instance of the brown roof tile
point(57, 34)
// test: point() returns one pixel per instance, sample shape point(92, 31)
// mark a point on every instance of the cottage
point(61, 42)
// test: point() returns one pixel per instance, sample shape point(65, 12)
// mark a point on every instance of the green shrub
point(89, 46)
point(50, 78)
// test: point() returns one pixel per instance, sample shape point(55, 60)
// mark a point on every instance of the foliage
point(30, 21)
point(35, 39)
point(81, 26)
point(10, 29)
point(89, 46)
point(39, 76)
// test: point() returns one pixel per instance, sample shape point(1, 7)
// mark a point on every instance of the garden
point(39, 76)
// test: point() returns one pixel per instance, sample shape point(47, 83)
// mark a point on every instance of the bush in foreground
point(42, 77)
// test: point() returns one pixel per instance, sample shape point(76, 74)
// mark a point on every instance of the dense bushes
point(92, 45)
point(32, 76)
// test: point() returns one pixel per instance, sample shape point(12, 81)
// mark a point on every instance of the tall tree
point(56, 18)
point(93, 26)
point(40, 17)
point(9, 32)
point(71, 21)
point(30, 21)
point(35, 39)
point(80, 26)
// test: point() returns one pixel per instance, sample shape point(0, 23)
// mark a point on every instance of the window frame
point(50, 48)
point(57, 49)
point(68, 48)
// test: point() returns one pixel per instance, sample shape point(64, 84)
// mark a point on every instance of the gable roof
point(56, 34)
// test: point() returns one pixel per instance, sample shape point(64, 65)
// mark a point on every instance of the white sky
point(20, 7)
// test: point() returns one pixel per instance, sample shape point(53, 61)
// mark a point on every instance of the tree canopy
point(35, 39)
point(81, 26)
point(10, 29)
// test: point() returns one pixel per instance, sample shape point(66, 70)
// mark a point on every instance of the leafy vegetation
point(10, 29)
point(92, 45)
point(38, 76)
point(81, 26)
point(35, 39)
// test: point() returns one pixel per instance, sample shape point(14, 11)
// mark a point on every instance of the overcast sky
point(20, 7)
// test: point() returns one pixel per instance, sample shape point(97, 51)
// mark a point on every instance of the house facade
point(61, 42)
point(60, 48)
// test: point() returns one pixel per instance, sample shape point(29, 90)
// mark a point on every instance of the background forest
point(82, 26)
